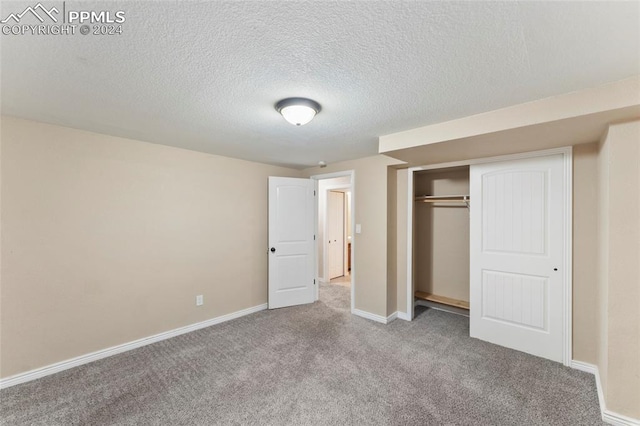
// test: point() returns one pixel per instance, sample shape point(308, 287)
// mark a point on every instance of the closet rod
point(443, 198)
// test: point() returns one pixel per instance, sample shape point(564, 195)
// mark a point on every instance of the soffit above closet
point(205, 75)
point(563, 120)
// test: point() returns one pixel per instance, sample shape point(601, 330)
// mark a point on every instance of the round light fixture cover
point(298, 111)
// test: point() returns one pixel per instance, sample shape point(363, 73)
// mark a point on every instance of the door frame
point(567, 153)
point(352, 187)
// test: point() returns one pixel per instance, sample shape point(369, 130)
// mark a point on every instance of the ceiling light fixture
point(298, 111)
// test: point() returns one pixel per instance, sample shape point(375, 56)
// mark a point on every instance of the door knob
point(273, 249)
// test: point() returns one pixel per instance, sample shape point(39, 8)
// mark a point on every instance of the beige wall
point(619, 361)
point(401, 238)
point(107, 240)
point(370, 210)
point(585, 252)
point(602, 264)
point(392, 241)
point(441, 235)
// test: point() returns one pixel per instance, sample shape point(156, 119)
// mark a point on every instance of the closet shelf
point(442, 299)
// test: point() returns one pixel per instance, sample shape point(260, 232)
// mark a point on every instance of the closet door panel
point(517, 245)
point(514, 217)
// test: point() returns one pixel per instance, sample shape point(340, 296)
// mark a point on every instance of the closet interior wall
point(441, 239)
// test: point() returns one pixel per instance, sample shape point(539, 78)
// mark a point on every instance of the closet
point(441, 238)
point(492, 240)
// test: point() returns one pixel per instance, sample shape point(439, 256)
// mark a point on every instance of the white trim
point(333, 175)
point(600, 390)
point(608, 416)
point(370, 316)
point(618, 419)
point(403, 316)
point(410, 197)
point(568, 255)
point(376, 318)
point(114, 350)
point(345, 186)
point(583, 366)
point(508, 157)
point(352, 175)
point(319, 279)
point(353, 239)
point(567, 153)
point(325, 229)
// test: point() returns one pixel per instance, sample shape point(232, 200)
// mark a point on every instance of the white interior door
point(517, 252)
point(291, 215)
point(335, 247)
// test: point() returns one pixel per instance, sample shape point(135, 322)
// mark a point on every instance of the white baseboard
point(403, 316)
point(104, 353)
point(584, 366)
point(369, 316)
point(618, 419)
point(608, 416)
point(377, 318)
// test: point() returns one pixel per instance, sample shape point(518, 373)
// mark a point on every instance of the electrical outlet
point(199, 300)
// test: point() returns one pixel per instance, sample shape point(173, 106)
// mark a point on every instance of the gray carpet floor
point(313, 365)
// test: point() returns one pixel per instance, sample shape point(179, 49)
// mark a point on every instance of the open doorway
point(338, 237)
point(334, 242)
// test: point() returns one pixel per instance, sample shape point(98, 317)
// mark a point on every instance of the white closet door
point(336, 234)
point(517, 246)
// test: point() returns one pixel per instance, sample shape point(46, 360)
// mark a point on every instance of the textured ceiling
point(205, 75)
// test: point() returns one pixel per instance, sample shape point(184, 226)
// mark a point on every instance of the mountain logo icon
point(39, 11)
